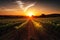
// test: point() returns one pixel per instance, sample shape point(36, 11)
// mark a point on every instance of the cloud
point(8, 9)
point(21, 5)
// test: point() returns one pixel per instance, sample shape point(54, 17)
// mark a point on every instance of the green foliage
point(51, 25)
point(10, 22)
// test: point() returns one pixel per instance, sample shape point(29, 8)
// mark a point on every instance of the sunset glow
point(30, 14)
point(25, 8)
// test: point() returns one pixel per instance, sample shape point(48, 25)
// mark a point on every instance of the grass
point(7, 25)
point(52, 26)
point(10, 22)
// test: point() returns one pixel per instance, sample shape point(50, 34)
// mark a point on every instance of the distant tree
point(43, 14)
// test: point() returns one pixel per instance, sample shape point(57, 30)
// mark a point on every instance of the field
point(10, 22)
point(30, 29)
point(7, 25)
point(51, 26)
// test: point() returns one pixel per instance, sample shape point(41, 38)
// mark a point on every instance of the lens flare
point(30, 14)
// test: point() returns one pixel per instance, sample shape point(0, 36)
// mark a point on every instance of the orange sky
point(37, 9)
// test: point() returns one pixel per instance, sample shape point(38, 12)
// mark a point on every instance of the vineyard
point(30, 29)
point(51, 26)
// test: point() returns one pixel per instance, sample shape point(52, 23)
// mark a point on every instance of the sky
point(11, 7)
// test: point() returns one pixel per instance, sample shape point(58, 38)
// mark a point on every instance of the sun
point(30, 14)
